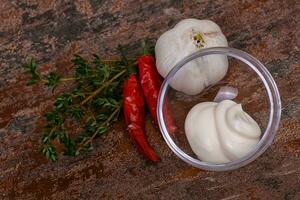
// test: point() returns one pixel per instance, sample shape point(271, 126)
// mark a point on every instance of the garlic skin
point(187, 37)
point(221, 132)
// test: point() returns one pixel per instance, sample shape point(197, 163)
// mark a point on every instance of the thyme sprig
point(88, 110)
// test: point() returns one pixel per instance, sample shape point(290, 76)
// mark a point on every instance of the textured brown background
point(53, 30)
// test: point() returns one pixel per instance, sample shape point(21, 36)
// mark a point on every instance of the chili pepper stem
point(145, 51)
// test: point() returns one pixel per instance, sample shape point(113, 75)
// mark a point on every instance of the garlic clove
point(226, 92)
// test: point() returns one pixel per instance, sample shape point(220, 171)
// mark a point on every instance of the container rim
point(274, 103)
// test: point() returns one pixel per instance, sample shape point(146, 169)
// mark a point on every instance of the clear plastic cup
point(267, 104)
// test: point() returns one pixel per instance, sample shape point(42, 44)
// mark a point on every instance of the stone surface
point(52, 31)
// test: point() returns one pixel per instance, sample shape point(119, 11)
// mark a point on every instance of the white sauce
point(221, 132)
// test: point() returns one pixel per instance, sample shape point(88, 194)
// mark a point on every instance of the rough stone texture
point(52, 31)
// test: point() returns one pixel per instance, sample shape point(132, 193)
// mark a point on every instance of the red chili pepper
point(151, 82)
point(134, 112)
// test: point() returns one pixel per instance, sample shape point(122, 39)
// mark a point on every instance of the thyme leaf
point(85, 112)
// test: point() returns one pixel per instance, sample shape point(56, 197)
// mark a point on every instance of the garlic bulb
point(188, 36)
point(221, 132)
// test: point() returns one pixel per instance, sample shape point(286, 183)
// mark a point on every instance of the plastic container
point(258, 83)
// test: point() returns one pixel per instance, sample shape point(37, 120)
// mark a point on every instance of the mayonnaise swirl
point(221, 132)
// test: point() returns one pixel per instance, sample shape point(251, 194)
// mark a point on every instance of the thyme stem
point(90, 107)
point(69, 79)
point(102, 87)
point(85, 142)
point(116, 60)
